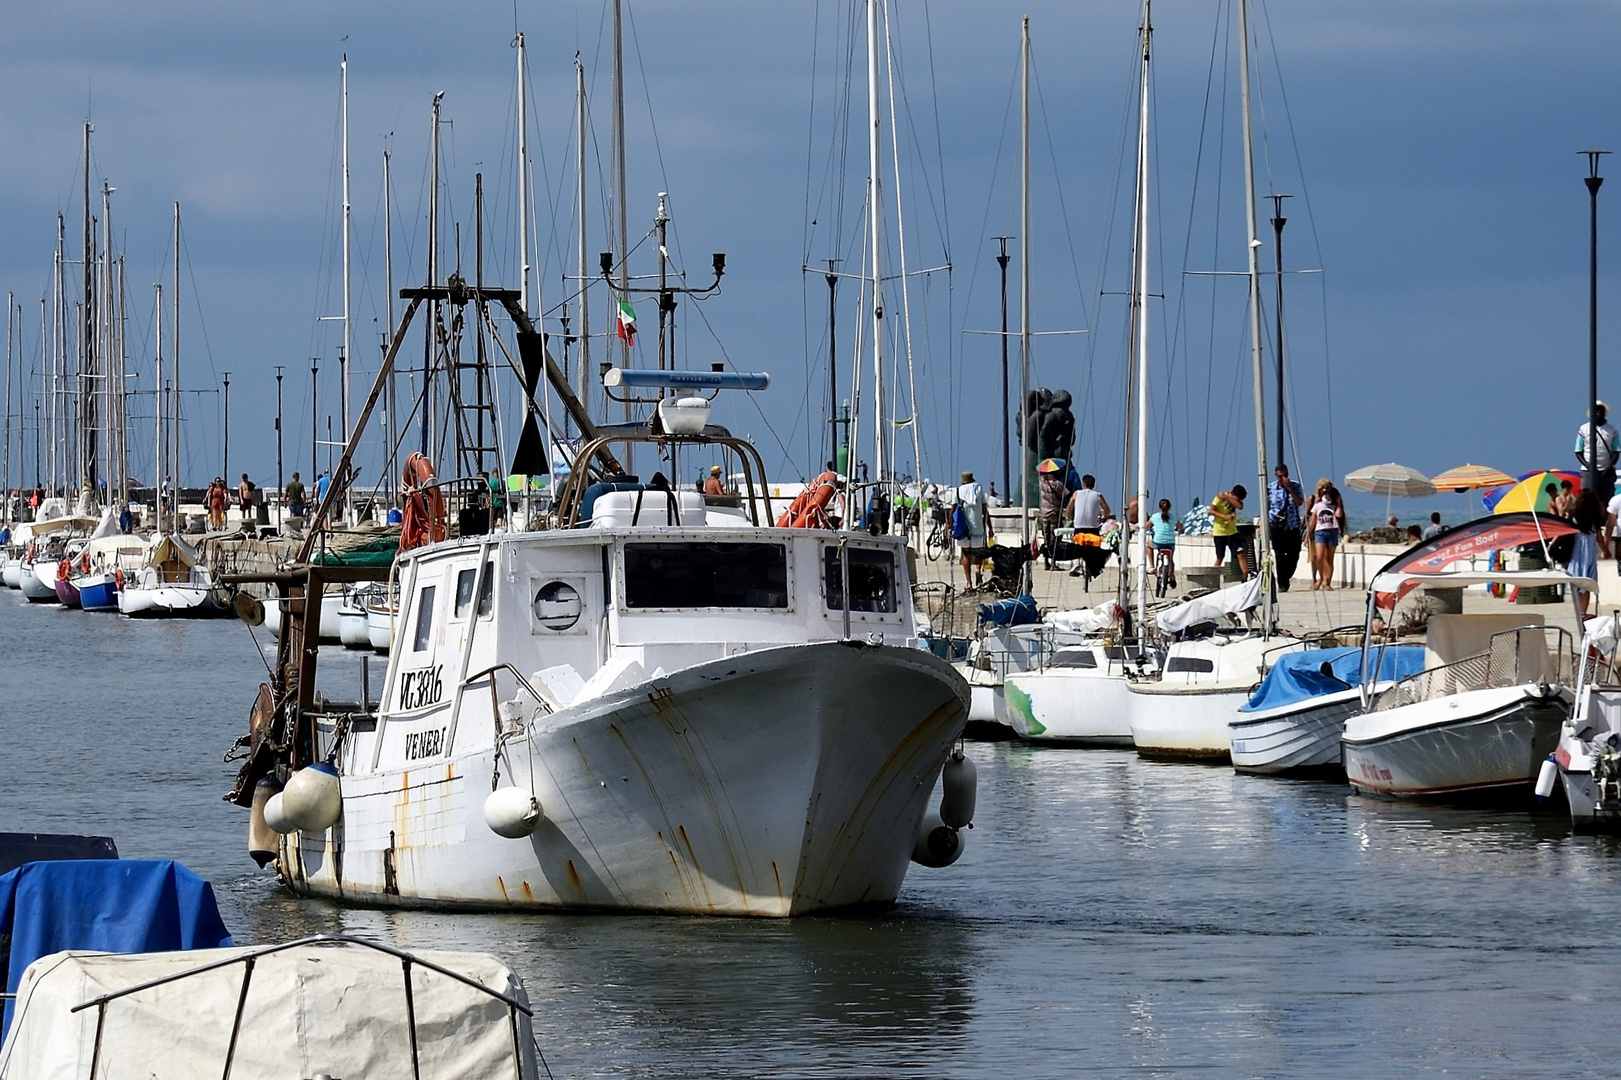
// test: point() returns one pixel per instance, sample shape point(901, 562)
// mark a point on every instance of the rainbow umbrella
point(1052, 464)
point(1530, 492)
point(1471, 477)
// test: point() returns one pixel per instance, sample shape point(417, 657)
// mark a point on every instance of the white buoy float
point(512, 812)
point(312, 801)
point(262, 839)
point(276, 816)
point(1546, 778)
point(938, 844)
point(959, 786)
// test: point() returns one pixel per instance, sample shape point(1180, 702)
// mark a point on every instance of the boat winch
point(312, 801)
point(512, 812)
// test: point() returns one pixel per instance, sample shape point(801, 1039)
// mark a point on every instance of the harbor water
point(1110, 916)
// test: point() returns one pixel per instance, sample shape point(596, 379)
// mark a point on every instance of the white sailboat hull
point(1077, 706)
point(1298, 738)
point(331, 630)
point(1183, 723)
point(36, 586)
point(779, 782)
point(11, 573)
point(1471, 741)
point(173, 601)
point(380, 629)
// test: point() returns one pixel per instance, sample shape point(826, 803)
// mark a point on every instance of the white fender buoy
point(1546, 778)
point(313, 799)
point(512, 812)
point(262, 839)
point(959, 785)
point(938, 844)
point(276, 816)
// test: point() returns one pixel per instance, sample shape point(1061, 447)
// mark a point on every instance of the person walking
point(216, 499)
point(1283, 502)
point(1603, 456)
point(1053, 492)
point(1224, 510)
point(292, 497)
point(974, 525)
point(244, 500)
point(1589, 518)
point(498, 498)
point(1327, 525)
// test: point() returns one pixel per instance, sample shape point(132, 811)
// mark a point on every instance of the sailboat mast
point(619, 173)
point(1263, 555)
point(1024, 276)
point(523, 188)
point(159, 466)
point(348, 350)
point(174, 371)
point(11, 334)
point(87, 338)
point(583, 377)
point(875, 228)
point(390, 418)
point(1140, 301)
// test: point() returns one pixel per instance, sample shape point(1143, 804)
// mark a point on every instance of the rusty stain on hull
point(502, 885)
point(574, 878)
point(529, 894)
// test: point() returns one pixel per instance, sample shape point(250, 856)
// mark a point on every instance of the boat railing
point(1512, 658)
point(487, 678)
point(250, 959)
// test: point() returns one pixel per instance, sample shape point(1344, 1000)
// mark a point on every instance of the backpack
point(959, 523)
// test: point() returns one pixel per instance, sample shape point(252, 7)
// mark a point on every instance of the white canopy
point(1457, 579)
point(326, 1007)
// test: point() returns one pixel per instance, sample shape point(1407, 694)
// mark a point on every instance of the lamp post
point(280, 484)
point(1594, 181)
point(1278, 221)
point(315, 413)
point(225, 451)
point(1007, 471)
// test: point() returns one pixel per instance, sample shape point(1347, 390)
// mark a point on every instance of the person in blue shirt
point(1283, 502)
point(1163, 527)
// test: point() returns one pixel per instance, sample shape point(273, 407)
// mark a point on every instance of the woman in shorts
point(1327, 525)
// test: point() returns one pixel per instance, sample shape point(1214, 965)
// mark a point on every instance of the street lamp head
point(720, 263)
point(606, 261)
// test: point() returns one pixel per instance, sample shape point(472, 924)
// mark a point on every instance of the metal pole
point(225, 453)
point(1007, 405)
point(1278, 221)
point(832, 363)
point(1263, 547)
point(583, 379)
point(281, 484)
point(315, 418)
point(1594, 181)
point(1024, 273)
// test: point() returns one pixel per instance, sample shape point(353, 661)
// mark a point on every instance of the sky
point(1429, 149)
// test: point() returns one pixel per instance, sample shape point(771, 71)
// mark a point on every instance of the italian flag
point(627, 322)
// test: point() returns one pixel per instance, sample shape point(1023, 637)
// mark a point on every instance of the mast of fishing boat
point(390, 418)
point(11, 309)
point(619, 175)
point(523, 189)
point(1024, 278)
point(58, 361)
point(875, 229)
point(428, 380)
point(583, 378)
point(1140, 303)
point(1263, 554)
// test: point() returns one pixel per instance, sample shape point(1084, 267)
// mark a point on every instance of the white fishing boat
point(661, 704)
point(352, 628)
point(321, 1006)
point(1496, 687)
point(1293, 722)
point(329, 628)
point(381, 612)
point(1587, 761)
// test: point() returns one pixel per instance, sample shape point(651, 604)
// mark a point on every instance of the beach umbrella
point(1390, 479)
point(1052, 464)
point(1530, 492)
point(1470, 478)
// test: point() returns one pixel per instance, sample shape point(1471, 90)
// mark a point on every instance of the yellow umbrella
point(1470, 478)
point(1531, 493)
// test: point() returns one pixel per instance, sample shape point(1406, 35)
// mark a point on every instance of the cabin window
point(872, 579)
point(1190, 663)
point(464, 592)
point(424, 627)
point(557, 606)
point(706, 575)
point(1074, 658)
point(486, 591)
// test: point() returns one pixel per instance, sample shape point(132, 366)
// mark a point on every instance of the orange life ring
point(84, 563)
point(118, 580)
point(423, 519)
point(809, 508)
point(64, 569)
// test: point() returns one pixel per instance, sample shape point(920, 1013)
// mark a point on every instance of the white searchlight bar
point(687, 380)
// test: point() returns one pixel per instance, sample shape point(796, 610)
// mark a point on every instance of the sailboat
point(1186, 712)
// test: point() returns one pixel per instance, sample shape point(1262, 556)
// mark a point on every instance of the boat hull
point(98, 592)
point(34, 586)
point(67, 593)
point(1070, 706)
point(11, 573)
point(380, 629)
point(1183, 724)
point(178, 601)
point(780, 782)
point(1302, 738)
point(1475, 741)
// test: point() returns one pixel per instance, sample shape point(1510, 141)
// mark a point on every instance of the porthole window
point(557, 606)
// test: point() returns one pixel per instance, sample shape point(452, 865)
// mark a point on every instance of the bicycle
point(1164, 572)
point(939, 539)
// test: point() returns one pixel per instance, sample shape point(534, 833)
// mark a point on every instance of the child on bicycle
point(1163, 527)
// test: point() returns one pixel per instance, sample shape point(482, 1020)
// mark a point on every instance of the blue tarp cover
point(106, 905)
point(1298, 676)
point(1015, 612)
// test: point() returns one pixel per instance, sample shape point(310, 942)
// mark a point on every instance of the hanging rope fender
point(423, 518)
point(809, 508)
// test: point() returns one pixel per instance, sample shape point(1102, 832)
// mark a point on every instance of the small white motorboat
point(1186, 712)
point(1293, 723)
point(173, 585)
point(1587, 761)
point(352, 628)
point(1495, 689)
point(1079, 695)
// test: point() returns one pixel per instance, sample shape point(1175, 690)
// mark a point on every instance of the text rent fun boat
point(663, 702)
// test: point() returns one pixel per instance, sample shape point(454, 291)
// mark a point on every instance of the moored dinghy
point(1487, 709)
point(1587, 761)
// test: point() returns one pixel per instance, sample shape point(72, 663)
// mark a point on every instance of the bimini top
point(1427, 563)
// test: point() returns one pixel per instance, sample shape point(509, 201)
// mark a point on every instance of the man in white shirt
point(1604, 454)
point(1606, 535)
point(971, 498)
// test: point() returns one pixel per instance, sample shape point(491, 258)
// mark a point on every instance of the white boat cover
point(1391, 582)
point(1212, 607)
point(1602, 632)
point(311, 1009)
point(1083, 620)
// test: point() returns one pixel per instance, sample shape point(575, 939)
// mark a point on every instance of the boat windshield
point(691, 574)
